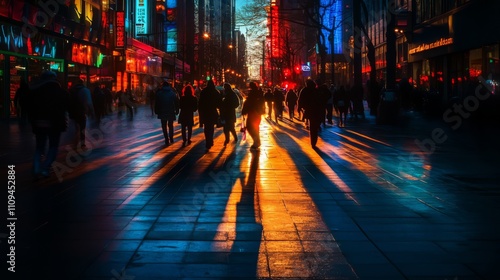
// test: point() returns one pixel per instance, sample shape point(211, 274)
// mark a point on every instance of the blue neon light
point(332, 19)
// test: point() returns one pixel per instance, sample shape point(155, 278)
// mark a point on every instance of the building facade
point(445, 49)
point(70, 38)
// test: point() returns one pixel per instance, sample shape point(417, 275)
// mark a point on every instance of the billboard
point(141, 17)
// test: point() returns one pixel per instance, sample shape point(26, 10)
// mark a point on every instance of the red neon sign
point(120, 30)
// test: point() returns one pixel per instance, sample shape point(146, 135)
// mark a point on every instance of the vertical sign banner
point(120, 30)
point(141, 17)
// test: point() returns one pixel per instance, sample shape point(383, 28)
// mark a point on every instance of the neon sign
point(425, 47)
point(141, 17)
point(120, 30)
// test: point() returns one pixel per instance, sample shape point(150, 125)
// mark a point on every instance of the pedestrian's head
point(310, 83)
point(210, 84)
point(166, 83)
point(253, 85)
point(48, 75)
point(188, 91)
point(227, 86)
point(78, 81)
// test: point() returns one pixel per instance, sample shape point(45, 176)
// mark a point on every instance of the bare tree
point(252, 17)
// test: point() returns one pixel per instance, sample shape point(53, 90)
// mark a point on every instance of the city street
point(417, 200)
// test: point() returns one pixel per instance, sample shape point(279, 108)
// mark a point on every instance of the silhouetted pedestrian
point(188, 104)
point(314, 109)
point(230, 102)
point(108, 97)
point(357, 101)
point(166, 107)
point(47, 107)
point(291, 101)
point(80, 108)
point(269, 97)
point(342, 100)
point(210, 100)
point(20, 100)
point(278, 100)
point(99, 101)
point(254, 108)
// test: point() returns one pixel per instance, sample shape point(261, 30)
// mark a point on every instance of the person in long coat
point(341, 99)
point(254, 108)
point(314, 109)
point(210, 100)
point(291, 102)
point(166, 107)
point(188, 104)
point(230, 102)
point(48, 105)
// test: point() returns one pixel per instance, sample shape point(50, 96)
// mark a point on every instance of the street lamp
point(206, 37)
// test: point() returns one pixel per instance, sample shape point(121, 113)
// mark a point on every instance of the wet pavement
point(418, 200)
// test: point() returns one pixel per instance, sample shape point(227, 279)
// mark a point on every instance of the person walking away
point(81, 106)
point(108, 97)
point(357, 101)
point(128, 101)
point(254, 108)
point(230, 102)
point(188, 104)
point(341, 99)
point(47, 105)
point(324, 95)
point(20, 101)
point(99, 101)
point(329, 105)
point(278, 99)
point(210, 101)
point(166, 107)
point(314, 106)
point(151, 98)
point(291, 102)
point(268, 97)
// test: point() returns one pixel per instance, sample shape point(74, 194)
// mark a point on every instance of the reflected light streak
point(369, 138)
point(351, 139)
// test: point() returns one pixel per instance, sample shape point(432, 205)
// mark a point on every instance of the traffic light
point(297, 69)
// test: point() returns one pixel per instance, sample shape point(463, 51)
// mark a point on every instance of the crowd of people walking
point(48, 106)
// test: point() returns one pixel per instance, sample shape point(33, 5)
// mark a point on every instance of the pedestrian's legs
point(291, 109)
point(208, 130)
point(170, 124)
point(313, 131)
point(81, 126)
point(164, 130)
point(189, 133)
point(253, 130)
point(233, 132)
point(54, 138)
point(183, 133)
point(226, 130)
point(329, 113)
point(41, 142)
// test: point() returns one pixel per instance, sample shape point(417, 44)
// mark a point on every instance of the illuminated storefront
point(142, 68)
point(453, 55)
point(67, 37)
point(23, 58)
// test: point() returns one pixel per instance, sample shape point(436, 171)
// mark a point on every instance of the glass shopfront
point(16, 68)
